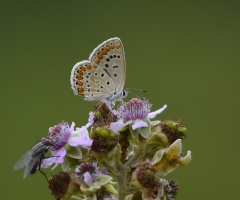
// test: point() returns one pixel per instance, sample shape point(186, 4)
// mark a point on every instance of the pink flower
point(62, 134)
point(133, 112)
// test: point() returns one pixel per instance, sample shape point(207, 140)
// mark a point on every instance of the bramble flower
point(62, 136)
point(91, 178)
point(88, 173)
point(135, 113)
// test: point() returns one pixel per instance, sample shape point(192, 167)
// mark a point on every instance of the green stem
point(139, 153)
point(122, 181)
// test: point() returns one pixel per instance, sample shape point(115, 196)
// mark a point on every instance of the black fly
point(32, 159)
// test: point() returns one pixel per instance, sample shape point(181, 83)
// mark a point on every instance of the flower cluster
point(125, 155)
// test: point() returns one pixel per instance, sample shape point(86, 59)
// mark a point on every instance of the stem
point(121, 179)
point(139, 153)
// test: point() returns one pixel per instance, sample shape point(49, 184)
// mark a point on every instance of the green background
point(184, 53)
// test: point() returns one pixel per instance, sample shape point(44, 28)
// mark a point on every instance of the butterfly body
point(102, 77)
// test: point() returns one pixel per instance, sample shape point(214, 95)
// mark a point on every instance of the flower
point(61, 135)
point(91, 178)
point(134, 112)
point(87, 172)
point(134, 109)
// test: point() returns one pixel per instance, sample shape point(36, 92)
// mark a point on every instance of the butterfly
point(102, 77)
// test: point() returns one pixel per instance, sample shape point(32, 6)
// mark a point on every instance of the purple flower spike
point(134, 109)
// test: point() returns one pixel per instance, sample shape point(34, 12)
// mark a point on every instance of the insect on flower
point(32, 159)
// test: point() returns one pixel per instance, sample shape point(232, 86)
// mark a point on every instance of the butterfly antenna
point(136, 89)
point(136, 95)
point(128, 89)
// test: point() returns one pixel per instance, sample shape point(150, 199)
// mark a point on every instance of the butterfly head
point(118, 97)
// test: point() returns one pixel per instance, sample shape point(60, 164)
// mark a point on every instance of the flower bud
point(104, 140)
point(143, 176)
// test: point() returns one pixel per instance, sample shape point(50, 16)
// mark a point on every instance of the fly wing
point(32, 160)
point(22, 162)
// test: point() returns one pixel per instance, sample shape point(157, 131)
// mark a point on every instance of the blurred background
point(184, 53)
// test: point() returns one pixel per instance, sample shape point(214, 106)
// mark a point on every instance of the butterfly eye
point(124, 93)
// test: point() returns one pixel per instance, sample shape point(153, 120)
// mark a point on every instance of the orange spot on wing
point(81, 91)
point(97, 61)
point(80, 83)
point(104, 51)
point(80, 77)
point(100, 56)
point(89, 67)
point(83, 69)
point(94, 66)
point(118, 46)
point(80, 73)
point(112, 46)
point(108, 48)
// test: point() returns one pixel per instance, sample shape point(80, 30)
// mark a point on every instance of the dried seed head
point(58, 184)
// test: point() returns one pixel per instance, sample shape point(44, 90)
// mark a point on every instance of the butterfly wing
point(110, 57)
point(91, 81)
